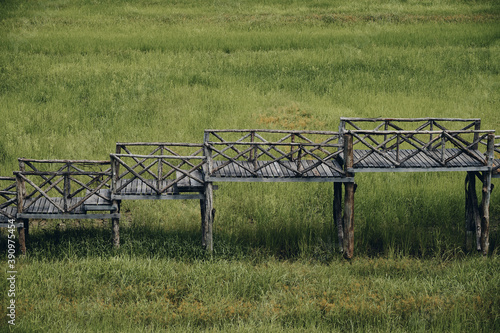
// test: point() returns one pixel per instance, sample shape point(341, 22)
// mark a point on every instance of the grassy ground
point(76, 78)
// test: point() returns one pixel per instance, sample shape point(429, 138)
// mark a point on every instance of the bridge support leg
point(115, 232)
point(208, 213)
point(115, 227)
point(337, 214)
point(202, 210)
point(485, 219)
point(472, 214)
point(23, 234)
point(349, 220)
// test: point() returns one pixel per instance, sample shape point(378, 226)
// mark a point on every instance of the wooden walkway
point(64, 189)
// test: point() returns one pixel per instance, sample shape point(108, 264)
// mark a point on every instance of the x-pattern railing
point(246, 148)
point(8, 197)
point(66, 185)
point(423, 135)
point(496, 168)
point(389, 144)
point(409, 124)
point(159, 166)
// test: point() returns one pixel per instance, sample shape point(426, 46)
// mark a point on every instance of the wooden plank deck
point(374, 162)
point(10, 210)
point(282, 171)
point(44, 209)
point(137, 189)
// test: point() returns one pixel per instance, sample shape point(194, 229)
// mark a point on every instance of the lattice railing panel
point(442, 147)
point(60, 186)
point(8, 199)
point(261, 148)
point(156, 168)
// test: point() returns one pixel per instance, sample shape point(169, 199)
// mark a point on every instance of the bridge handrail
point(393, 140)
point(46, 183)
point(8, 194)
point(294, 146)
point(166, 170)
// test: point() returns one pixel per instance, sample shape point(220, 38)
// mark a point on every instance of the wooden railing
point(255, 150)
point(496, 165)
point(8, 200)
point(409, 124)
point(156, 168)
point(434, 148)
point(60, 186)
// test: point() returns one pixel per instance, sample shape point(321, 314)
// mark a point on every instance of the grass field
point(77, 77)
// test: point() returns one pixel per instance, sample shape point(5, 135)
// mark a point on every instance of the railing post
point(348, 228)
point(115, 222)
point(67, 188)
point(160, 170)
point(21, 194)
point(486, 195)
point(477, 127)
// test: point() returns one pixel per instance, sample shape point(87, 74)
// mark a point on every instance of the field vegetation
point(77, 77)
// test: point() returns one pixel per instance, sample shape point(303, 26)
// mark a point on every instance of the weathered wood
point(348, 227)
point(63, 161)
point(115, 225)
point(472, 214)
point(337, 214)
point(208, 215)
point(22, 239)
point(486, 195)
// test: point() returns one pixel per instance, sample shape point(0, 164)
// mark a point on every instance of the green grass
point(76, 78)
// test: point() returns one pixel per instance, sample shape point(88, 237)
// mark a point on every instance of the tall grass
point(76, 78)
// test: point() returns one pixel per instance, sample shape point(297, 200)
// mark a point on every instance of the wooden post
point(21, 194)
point(67, 189)
point(208, 202)
point(115, 226)
point(115, 222)
point(349, 199)
point(22, 238)
point(337, 213)
point(202, 209)
point(472, 215)
point(486, 192)
point(208, 217)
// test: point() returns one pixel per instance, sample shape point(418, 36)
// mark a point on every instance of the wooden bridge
point(66, 189)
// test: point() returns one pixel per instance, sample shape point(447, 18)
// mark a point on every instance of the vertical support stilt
point(486, 194)
point(208, 217)
point(115, 226)
point(485, 219)
point(23, 235)
point(337, 213)
point(348, 199)
point(208, 211)
point(115, 232)
point(472, 215)
point(202, 209)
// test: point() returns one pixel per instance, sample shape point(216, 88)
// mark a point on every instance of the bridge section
point(65, 189)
